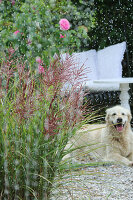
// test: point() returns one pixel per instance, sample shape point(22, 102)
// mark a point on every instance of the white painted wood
point(124, 87)
point(124, 96)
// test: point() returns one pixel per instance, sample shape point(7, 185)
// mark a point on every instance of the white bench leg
point(124, 96)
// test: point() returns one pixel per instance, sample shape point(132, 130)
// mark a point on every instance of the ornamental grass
point(39, 112)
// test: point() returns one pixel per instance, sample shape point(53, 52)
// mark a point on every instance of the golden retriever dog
point(112, 141)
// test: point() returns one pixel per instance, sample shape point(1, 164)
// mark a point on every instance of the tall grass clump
point(37, 116)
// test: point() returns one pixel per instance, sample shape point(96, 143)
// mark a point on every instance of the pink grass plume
point(40, 69)
point(38, 60)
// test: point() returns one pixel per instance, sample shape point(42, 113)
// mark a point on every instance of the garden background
point(34, 127)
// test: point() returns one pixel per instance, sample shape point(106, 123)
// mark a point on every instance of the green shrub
point(38, 26)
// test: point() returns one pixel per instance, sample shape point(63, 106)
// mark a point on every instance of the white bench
point(102, 65)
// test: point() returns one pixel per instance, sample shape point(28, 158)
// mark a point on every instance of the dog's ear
point(107, 115)
point(129, 116)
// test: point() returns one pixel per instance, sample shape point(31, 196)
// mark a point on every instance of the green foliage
point(113, 25)
point(84, 20)
point(38, 23)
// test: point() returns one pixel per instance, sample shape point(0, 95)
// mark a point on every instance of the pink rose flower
point(38, 60)
point(16, 32)
point(62, 36)
point(40, 69)
point(64, 24)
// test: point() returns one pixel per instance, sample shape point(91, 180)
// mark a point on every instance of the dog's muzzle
point(119, 125)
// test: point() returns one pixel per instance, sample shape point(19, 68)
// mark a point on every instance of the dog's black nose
point(119, 120)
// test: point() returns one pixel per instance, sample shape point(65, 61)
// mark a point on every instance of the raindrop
point(6, 191)
point(16, 187)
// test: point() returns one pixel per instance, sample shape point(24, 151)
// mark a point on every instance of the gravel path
point(112, 182)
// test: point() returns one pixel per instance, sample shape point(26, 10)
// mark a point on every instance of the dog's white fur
point(110, 143)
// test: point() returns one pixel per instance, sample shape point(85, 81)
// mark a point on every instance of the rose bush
point(34, 31)
point(39, 29)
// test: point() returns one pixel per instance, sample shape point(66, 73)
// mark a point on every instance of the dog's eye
point(113, 114)
point(123, 113)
